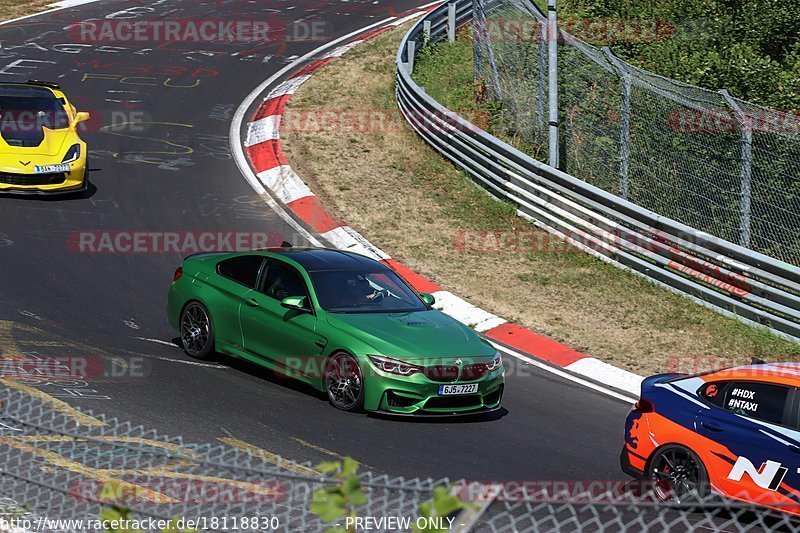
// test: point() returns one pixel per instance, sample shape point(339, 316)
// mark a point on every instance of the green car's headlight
point(393, 366)
point(495, 363)
point(72, 154)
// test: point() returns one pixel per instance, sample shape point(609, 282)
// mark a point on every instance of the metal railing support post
point(541, 68)
point(625, 122)
point(451, 22)
point(746, 189)
point(477, 48)
point(552, 71)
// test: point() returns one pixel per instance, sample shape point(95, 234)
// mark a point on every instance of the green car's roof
point(313, 259)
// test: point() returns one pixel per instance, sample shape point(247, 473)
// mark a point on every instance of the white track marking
point(563, 374)
point(157, 341)
point(609, 374)
point(284, 183)
point(169, 359)
point(262, 130)
point(346, 238)
point(465, 312)
point(70, 3)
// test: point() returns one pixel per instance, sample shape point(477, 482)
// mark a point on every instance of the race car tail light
point(178, 274)
point(643, 406)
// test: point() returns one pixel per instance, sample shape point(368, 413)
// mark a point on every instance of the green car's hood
point(413, 336)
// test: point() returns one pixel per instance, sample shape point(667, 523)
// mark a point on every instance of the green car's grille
point(471, 372)
point(443, 373)
point(450, 373)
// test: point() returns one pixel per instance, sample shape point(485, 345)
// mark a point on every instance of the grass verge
point(11, 9)
point(372, 170)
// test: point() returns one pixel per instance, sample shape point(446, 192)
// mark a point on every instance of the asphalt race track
point(166, 167)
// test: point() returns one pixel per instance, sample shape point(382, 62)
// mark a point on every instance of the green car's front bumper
point(417, 395)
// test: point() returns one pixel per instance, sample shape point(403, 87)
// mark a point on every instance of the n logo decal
point(769, 476)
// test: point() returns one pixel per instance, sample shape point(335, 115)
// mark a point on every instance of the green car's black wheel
point(197, 332)
point(344, 382)
point(678, 476)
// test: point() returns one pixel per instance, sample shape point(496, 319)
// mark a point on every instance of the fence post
point(541, 67)
point(746, 188)
point(477, 48)
point(552, 73)
point(480, 23)
point(625, 123)
point(451, 22)
point(426, 32)
point(410, 51)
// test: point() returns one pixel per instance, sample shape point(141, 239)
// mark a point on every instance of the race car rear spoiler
point(49, 84)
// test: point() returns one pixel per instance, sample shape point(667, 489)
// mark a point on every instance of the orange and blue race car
point(733, 432)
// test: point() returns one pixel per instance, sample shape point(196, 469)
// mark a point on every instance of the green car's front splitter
point(417, 395)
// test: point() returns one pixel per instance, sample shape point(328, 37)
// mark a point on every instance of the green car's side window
point(243, 269)
point(282, 281)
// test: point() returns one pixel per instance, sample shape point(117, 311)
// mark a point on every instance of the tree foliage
point(750, 47)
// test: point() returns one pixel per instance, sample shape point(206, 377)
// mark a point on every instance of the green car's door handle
point(251, 302)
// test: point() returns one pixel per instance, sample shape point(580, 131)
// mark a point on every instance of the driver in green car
point(361, 291)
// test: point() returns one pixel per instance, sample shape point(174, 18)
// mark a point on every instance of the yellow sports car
point(40, 151)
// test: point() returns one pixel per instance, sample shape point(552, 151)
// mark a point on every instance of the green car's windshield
point(364, 291)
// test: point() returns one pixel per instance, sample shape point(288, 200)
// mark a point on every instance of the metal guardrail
point(713, 272)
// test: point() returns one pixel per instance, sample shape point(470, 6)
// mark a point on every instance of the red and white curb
point(263, 148)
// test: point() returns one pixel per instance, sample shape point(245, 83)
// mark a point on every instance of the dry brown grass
point(395, 190)
point(10, 9)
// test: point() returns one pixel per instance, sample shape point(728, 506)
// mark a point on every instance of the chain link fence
point(55, 469)
point(60, 475)
point(700, 157)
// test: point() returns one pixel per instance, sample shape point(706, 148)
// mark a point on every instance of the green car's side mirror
point(427, 298)
point(295, 302)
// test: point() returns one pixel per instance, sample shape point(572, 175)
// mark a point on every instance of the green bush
point(750, 47)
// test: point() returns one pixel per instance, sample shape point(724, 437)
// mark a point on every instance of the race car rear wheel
point(678, 475)
point(344, 382)
point(197, 331)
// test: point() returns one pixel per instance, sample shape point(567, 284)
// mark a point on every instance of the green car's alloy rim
point(195, 329)
point(676, 475)
point(343, 381)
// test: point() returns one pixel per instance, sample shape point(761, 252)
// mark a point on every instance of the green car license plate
point(450, 390)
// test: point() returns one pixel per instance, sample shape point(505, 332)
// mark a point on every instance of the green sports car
point(344, 323)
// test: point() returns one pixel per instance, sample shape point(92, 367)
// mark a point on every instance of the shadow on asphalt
point(298, 386)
